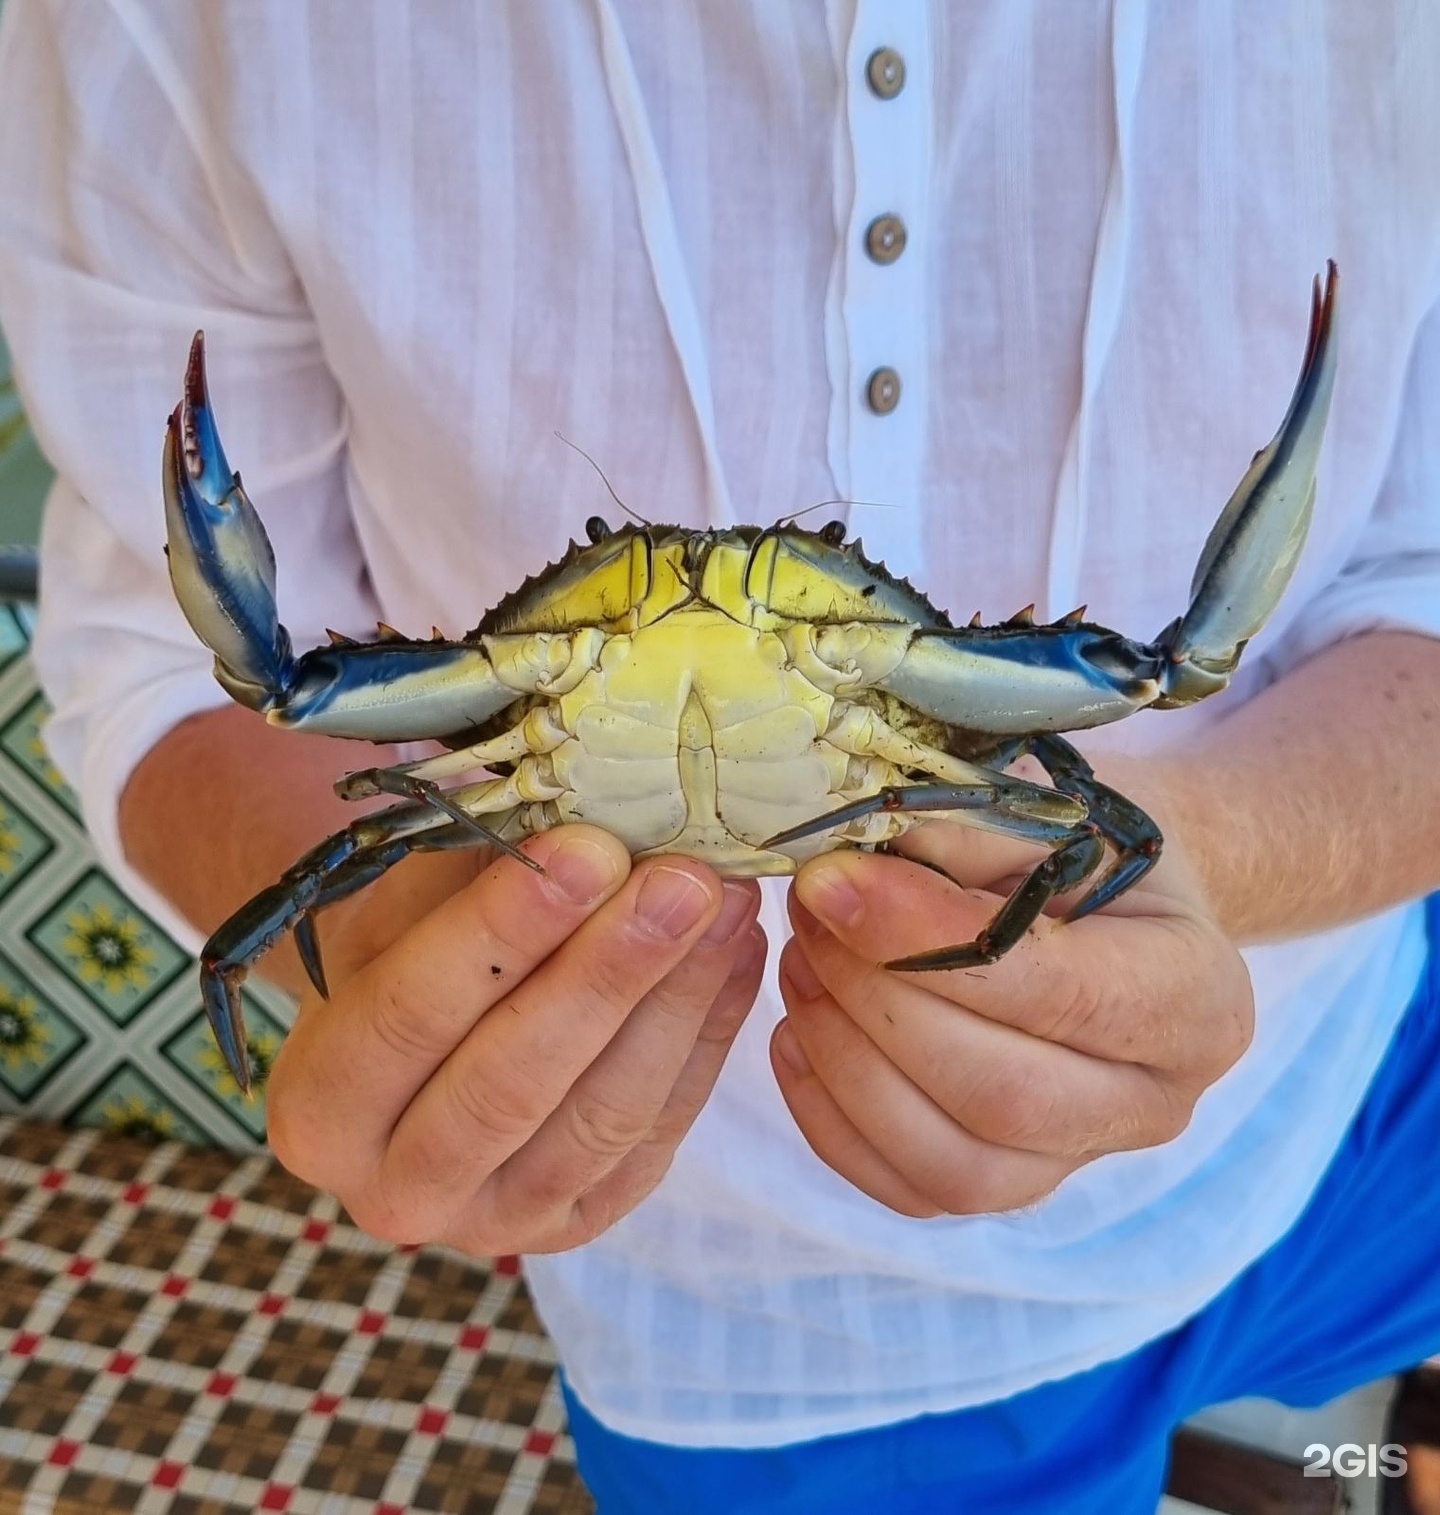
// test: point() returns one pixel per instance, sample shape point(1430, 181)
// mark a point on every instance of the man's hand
point(979, 1090)
point(514, 1072)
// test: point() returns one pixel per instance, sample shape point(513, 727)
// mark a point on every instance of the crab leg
point(1070, 864)
point(427, 792)
point(995, 803)
point(332, 870)
point(1005, 805)
point(542, 730)
point(1122, 823)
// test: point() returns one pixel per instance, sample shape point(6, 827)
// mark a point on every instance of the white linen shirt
point(420, 240)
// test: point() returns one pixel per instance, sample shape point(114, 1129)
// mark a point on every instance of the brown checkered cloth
point(190, 1332)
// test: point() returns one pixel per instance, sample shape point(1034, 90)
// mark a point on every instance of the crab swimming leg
point(1002, 804)
point(1113, 819)
point(1123, 824)
point(330, 871)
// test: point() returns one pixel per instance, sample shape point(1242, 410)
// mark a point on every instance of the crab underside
point(747, 696)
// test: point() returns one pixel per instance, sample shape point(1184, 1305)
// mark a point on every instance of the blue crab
point(750, 696)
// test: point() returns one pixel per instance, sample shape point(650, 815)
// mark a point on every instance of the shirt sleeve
point(125, 224)
point(1391, 579)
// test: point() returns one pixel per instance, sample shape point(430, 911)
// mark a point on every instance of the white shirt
point(421, 242)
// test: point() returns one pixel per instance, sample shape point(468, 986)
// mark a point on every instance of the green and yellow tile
point(130, 1105)
point(22, 845)
point(23, 737)
point(117, 956)
point(36, 1037)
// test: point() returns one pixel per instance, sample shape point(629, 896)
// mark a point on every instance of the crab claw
point(1252, 549)
point(221, 562)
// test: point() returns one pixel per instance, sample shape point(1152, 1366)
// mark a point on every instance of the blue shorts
point(1350, 1294)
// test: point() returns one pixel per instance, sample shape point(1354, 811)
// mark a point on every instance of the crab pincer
point(222, 566)
point(1251, 552)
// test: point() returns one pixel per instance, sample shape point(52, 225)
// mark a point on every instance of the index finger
point(354, 1062)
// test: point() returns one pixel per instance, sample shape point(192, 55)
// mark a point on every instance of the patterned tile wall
point(100, 1018)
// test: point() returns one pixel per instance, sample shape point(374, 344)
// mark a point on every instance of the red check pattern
point(187, 1332)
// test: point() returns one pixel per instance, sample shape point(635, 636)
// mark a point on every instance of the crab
point(750, 696)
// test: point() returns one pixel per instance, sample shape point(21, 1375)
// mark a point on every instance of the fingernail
point(787, 1044)
point(671, 901)
point(581, 869)
point(732, 914)
point(801, 976)
point(827, 893)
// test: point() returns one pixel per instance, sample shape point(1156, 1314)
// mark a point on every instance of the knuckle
point(959, 1192)
point(609, 983)
point(484, 1234)
point(1073, 1005)
point(1165, 1116)
point(1017, 1106)
point(602, 1129)
point(502, 1109)
point(387, 1211)
point(595, 1211)
point(402, 1032)
point(374, 1215)
point(296, 1134)
point(989, 1189)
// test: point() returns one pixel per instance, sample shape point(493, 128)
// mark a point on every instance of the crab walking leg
point(427, 792)
point(495, 797)
point(994, 803)
point(863, 732)
point(365, 866)
point(339, 866)
point(541, 731)
point(1115, 819)
point(258, 924)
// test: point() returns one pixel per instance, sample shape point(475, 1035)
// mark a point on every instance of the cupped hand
point(979, 1090)
point(514, 1071)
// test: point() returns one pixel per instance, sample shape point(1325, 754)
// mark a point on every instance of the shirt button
point(882, 391)
point(886, 72)
point(885, 238)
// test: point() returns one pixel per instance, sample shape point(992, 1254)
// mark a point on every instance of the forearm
point(224, 803)
point(1317, 803)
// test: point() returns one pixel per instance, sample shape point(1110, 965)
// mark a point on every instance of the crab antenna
point(633, 514)
point(794, 515)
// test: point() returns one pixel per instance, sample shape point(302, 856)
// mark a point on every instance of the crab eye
point(833, 533)
point(597, 528)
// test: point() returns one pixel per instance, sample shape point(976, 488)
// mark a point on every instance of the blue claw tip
point(221, 562)
point(222, 1009)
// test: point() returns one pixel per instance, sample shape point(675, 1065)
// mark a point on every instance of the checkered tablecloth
point(190, 1332)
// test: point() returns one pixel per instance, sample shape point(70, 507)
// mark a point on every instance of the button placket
point(882, 309)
